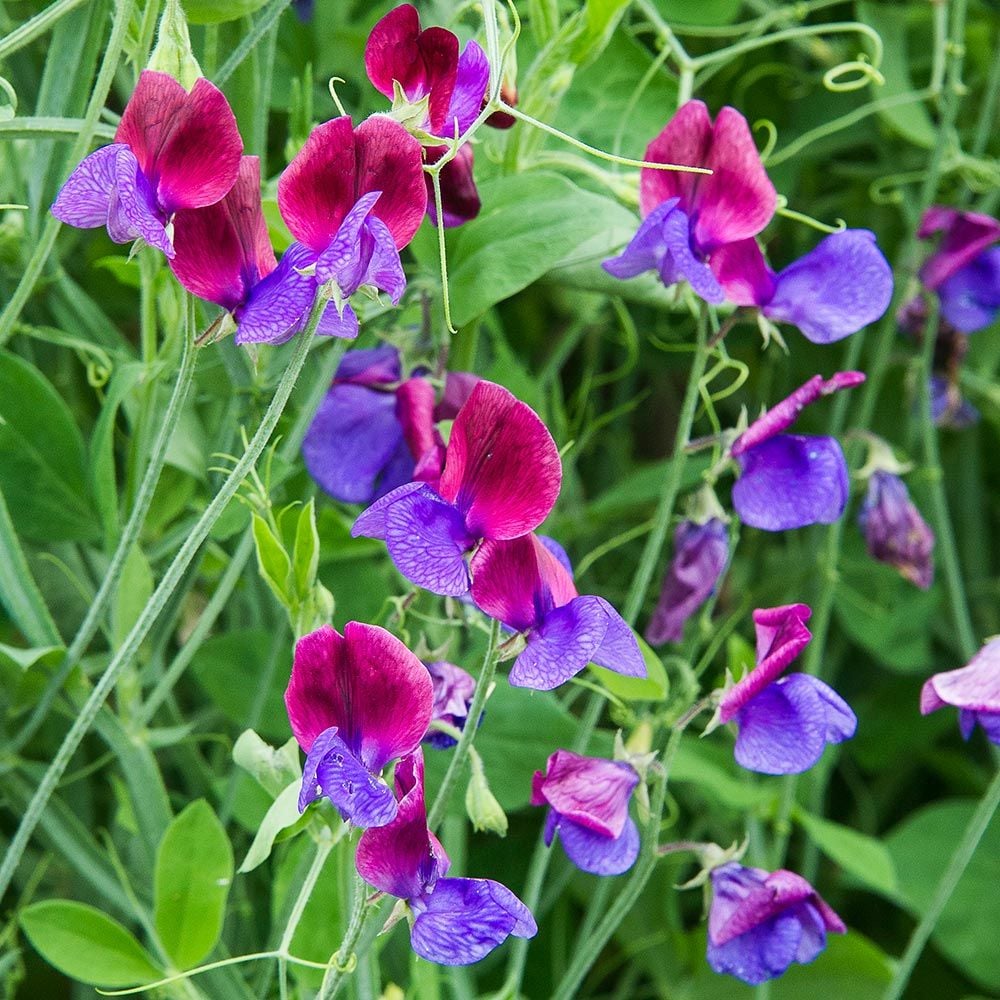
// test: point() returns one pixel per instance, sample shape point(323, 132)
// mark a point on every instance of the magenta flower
point(500, 480)
point(589, 800)
point(455, 921)
point(522, 584)
point(760, 922)
point(689, 217)
point(894, 530)
point(453, 692)
point(840, 286)
point(783, 725)
point(172, 150)
point(974, 690)
point(701, 552)
point(790, 480)
point(355, 702)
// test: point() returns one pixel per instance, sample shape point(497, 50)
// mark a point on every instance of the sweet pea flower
point(588, 799)
point(840, 286)
point(172, 150)
point(500, 479)
point(761, 922)
point(791, 480)
point(689, 217)
point(974, 690)
point(948, 407)
point(455, 921)
point(894, 531)
point(355, 702)
point(701, 552)
point(454, 689)
point(522, 584)
point(784, 725)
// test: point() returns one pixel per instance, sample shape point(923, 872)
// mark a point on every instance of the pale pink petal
point(975, 687)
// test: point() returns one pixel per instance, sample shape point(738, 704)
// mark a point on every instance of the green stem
point(159, 600)
point(949, 880)
point(261, 26)
point(27, 32)
point(105, 77)
point(46, 127)
point(437, 810)
point(343, 960)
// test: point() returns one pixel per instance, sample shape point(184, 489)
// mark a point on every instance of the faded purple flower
point(948, 407)
point(974, 690)
point(588, 799)
point(761, 922)
point(453, 692)
point(701, 552)
point(895, 533)
point(456, 921)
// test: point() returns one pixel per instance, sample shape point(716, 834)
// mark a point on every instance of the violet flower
point(974, 690)
point(589, 800)
point(840, 286)
point(172, 150)
point(701, 552)
point(355, 702)
point(895, 533)
point(791, 480)
point(689, 217)
point(454, 689)
point(427, 66)
point(761, 922)
point(500, 479)
point(456, 921)
point(948, 407)
point(522, 584)
point(784, 725)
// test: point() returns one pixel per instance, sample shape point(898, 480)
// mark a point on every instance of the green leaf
point(600, 18)
point(87, 945)
point(271, 768)
point(25, 659)
point(134, 591)
point(652, 687)
point(272, 560)
point(866, 858)
point(283, 814)
point(305, 555)
point(693, 764)
point(218, 11)
point(194, 868)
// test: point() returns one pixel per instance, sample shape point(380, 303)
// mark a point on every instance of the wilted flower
point(894, 530)
point(589, 800)
point(456, 921)
point(454, 689)
point(760, 922)
point(974, 690)
point(172, 150)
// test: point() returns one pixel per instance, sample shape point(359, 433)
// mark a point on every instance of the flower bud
point(481, 804)
point(894, 530)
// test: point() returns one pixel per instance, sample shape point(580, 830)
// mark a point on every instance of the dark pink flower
point(173, 150)
point(974, 690)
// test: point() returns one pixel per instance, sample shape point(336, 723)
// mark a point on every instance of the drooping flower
point(761, 922)
point(455, 921)
point(588, 799)
point(173, 150)
point(689, 217)
point(791, 480)
point(974, 690)
point(500, 479)
point(701, 551)
point(453, 692)
point(522, 584)
point(894, 530)
point(355, 702)
point(784, 724)
point(840, 286)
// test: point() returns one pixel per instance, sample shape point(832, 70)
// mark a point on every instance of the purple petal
point(975, 687)
point(895, 533)
point(647, 249)
point(278, 305)
point(839, 287)
point(84, 200)
point(464, 919)
point(371, 523)
point(132, 212)
point(334, 322)
point(619, 650)
point(966, 235)
point(370, 366)
point(970, 298)
point(454, 689)
point(598, 854)
point(471, 81)
point(989, 721)
point(760, 954)
point(790, 481)
point(683, 263)
point(342, 261)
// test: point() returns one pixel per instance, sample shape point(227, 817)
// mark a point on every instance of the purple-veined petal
point(384, 269)
point(762, 953)
point(598, 854)
point(83, 201)
point(970, 298)
point(371, 523)
point(619, 650)
point(342, 261)
point(647, 249)
point(132, 210)
point(471, 80)
point(975, 687)
point(278, 304)
point(683, 262)
point(334, 322)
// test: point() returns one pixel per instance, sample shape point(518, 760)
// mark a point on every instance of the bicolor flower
point(688, 218)
point(783, 724)
point(454, 689)
point(454, 921)
point(761, 922)
point(840, 286)
point(352, 198)
point(173, 150)
point(701, 552)
point(974, 690)
point(524, 585)
point(894, 531)
point(588, 799)
point(355, 702)
point(791, 480)
point(500, 479)
point(447, 89)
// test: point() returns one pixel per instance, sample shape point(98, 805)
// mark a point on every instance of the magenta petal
point(685, 140)
point(591, 791)
point(744, 898)
point(966, 235)
point(83, 201)
point(471, 81)
point(459, 195)
point(975, 687)
point(415, 415)
point(458, 387)
point(502, 468)
point(743, 273)
point(597, 854)
point(279, 304)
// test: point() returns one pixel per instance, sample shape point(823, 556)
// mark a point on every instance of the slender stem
point(949, 880)
point(343, 960)
point(261, 26)
point(49, 127)
point(437, 810)
point(35, 26)
point(159, 600)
